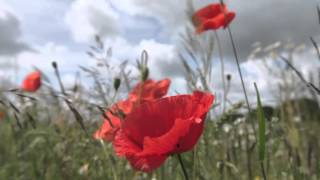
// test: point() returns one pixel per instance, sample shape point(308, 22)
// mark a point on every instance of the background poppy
point(213, 16)
point(32, 82)
point(149, 90)
point(145, 91)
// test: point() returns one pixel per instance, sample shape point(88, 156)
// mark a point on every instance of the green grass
point(61, 150)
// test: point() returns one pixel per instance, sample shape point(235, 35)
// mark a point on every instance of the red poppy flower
point(143, 92)
point(32, 82)
point(159, 128)
point(149, 90)
point(213, 16)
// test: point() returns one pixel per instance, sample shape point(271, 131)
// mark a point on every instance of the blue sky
point(36, 32)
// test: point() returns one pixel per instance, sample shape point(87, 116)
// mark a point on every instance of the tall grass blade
point(262, 131)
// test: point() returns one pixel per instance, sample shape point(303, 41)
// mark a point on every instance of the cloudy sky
point(34, 33)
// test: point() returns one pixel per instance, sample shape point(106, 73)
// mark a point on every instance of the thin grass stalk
point(108, 156)
point(240, 74)
point(262, 132)
point(76, 114)
point(308, 84)
point(234, 49)
point(222, 72)
point(248, 155)
point(315, 45)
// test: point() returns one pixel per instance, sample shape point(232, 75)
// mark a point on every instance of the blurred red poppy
point(149, 90)
point(159, 128)
point(2, 115)
point(32, 82)
point(212, 17)
point(142, 92)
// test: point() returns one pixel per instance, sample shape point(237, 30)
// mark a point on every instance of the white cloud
point(67, 60)
point(5, 10)
point(69, 80)
point(170, 13)
point(162, 59)
point(159, 53)
point(87, 18)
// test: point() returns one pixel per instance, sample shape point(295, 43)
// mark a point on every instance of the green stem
point(182, 166)
point(263, 171)
point(241, 78)
point(222, 72)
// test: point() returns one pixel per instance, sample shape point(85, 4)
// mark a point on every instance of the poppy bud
point(228, 77)
point(116, 83)
point(145, 74)
point(54, 65)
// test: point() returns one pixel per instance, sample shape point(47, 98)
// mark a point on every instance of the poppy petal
point(212, 17)
point(229, 18)
point(156, 118)
point(143, 92)
point(162, 127)
point(124, 146)
point(168, 142)
point(106, 131)
point(187, 142)
point(149, 90)
point(146, 163)
point(206, 12)
point(162, 88)
point(215, 23)
point(32, 82)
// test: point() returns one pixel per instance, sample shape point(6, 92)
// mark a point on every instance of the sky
point(34, 33)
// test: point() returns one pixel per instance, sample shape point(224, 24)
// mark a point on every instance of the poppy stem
point(222, 72)
point(263, 171)
point(182, 167)
point(241, 76)
point(246, 98)
point(239, 69)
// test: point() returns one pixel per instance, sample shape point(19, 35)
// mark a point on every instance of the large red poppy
point(142, 92)
point(157, 129)
point(212, 17)
point(149, 90)
point(32, 82)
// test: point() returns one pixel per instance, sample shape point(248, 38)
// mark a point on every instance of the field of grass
point(227, 150)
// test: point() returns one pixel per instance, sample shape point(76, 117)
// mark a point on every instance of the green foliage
point(64, 151)
point(262, 126)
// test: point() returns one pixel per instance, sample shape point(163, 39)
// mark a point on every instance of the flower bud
point(116, 83)
point(145, 74)
point(54, 64)
point(228, 77)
